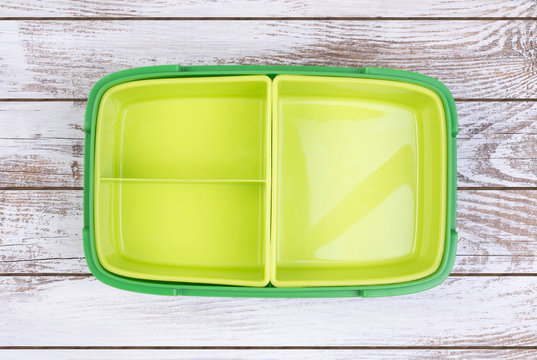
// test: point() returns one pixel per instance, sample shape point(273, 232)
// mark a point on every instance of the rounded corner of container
point(275, 282)
point(94, 98)
point(267, 79)
point(264, 283)
point(432, 83)
point(118, 282)
point(426, 283)
point(113, 280)
point(277, 79)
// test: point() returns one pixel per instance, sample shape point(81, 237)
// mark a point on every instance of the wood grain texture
point(496, 143)
point(68, 311)
point(40, 232)
point(41, 144)
point(497, 222)
point(63, 59)
point(48, 297)
point(264, 354)
point(497, 160)
point(269, 8)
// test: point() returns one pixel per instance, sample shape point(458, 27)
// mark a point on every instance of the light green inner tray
point(348, 187)
point(359, 183)
point(182, 180)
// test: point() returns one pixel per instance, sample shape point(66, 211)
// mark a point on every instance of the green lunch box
point(270, 181)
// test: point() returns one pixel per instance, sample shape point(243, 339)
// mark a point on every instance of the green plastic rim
point(171, 288)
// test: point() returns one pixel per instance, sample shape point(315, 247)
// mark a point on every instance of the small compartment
point(183, 231)
point(359, 181)
point(193, 128)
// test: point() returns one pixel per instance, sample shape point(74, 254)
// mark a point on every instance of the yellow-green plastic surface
point(178, 202)
point(182, 180)
point(359, 181)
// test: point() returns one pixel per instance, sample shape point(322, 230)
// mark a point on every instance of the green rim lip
point(170, 288)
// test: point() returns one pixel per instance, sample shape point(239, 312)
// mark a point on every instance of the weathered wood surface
point(497, 143)
point(81, 311)
point(63, 59)
point(40, 232)
point(56, 50)
point(264, 354)
point(269, 8)
point(41, 144)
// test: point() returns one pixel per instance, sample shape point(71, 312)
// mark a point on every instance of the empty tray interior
point(182, 180)
point(359, 181)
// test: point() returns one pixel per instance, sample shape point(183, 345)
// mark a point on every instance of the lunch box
point(270, 181)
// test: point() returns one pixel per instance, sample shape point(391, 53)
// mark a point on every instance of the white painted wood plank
point(63, 59)
point(41, 232)
point(483, 118)
point(497, 222)
point(264, 354)
point(264, 8)
point(41, 144)
point(496, 143)
point(495, 264)
point(464, 311)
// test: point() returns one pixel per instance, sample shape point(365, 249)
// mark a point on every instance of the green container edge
point(170, 288)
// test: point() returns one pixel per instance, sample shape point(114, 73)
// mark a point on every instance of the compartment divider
point(184, 181)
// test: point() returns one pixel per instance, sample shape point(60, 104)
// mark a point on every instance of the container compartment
point(182, 180)
point(192, 232)
point(196, 128)
point(359, 185)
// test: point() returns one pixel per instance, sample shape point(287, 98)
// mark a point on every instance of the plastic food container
point(270, 181)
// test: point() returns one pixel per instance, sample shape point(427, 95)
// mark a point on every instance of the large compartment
point(359, 181)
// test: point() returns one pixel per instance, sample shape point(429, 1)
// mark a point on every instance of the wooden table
point(53, 51)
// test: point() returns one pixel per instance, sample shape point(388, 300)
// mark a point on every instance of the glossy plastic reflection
point(359, 183)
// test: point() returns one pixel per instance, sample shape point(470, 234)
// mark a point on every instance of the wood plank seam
point(266, 18)
point(440, 347)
